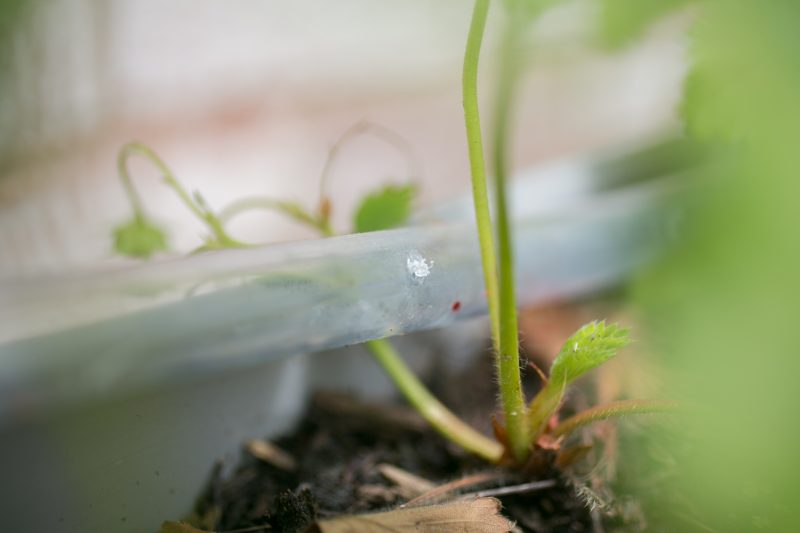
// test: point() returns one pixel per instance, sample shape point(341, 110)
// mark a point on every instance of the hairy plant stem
point(201, 211)
point(437, 415)
point(504, 97)
point(503, 325)
point(612, 410)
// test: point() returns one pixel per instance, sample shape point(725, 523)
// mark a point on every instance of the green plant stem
point(507, 77)
point(511, 397)
point(204, 214)
point(544, 405)
point(290, 209)
point(382, 133)
point(437, 415)
point(480, 196)
point(387, 135)
point(509, 331)
point(612, 410)
point(122, 166)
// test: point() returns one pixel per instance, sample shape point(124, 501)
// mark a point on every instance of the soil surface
point(338, 447)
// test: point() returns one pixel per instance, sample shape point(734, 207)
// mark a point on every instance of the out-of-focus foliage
point(10, 13)
point(9, 10)
point(622, 21)
point(386, 208)
point(139, 238)
point(724, 309)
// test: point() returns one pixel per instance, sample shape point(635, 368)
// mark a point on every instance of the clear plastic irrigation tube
point(579, 227)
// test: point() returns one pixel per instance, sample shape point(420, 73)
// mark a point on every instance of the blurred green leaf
point(723, 309)
point(623, 21)
point(139, 238)
point(388, 207)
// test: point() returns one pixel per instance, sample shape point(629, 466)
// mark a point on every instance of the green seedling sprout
point(528, 427)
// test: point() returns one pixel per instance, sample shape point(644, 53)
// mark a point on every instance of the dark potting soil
point(338, 447)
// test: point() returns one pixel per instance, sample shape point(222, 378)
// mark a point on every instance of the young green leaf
point(588, 348)
point(139, 238)
point(386, 208)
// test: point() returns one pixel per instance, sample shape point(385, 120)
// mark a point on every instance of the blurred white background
point(247, 97)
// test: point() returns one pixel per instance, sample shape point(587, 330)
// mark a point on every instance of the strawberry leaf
point(588, 348)
point(386, 208)
point(139, 238)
